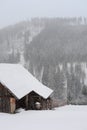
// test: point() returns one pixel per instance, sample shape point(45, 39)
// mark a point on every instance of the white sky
point(12, 11)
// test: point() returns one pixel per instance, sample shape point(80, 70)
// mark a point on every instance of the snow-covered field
point(63, 118)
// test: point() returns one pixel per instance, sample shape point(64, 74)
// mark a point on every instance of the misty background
point(13, 11)
point(49, 38)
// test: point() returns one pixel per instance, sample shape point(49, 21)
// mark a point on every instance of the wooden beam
point(26, 102)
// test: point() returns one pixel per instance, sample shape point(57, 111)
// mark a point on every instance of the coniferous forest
point(54, 50)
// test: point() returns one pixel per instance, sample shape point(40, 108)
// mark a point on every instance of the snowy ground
point(63, 118)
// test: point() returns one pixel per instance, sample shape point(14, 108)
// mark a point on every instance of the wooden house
point(19, 89)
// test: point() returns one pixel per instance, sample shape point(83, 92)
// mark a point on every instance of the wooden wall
point(33, 101)
point(6, 100)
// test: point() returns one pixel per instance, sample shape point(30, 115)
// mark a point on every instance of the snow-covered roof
point(20, 82)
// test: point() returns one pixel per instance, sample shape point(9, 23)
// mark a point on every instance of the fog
point(13, 11)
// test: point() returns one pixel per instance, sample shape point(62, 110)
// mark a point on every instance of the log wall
point(33, 101)
point(6, 98)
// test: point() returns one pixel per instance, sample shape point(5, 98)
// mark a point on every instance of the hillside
point(54, 51)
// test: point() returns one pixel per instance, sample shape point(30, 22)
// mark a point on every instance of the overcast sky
point(13, 11)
